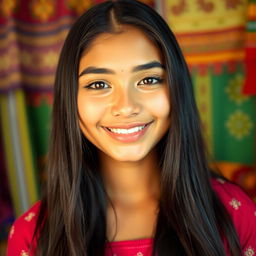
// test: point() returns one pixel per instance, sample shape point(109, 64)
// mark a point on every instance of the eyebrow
point(95, 70)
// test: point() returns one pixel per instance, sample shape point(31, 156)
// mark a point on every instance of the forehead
point(129, 47)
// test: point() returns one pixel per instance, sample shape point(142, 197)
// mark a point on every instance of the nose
point(125, 104)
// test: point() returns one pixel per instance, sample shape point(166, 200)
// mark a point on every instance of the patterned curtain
point(216, 45)
point(32, 33)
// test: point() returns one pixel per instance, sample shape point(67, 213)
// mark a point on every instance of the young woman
point(127, 169)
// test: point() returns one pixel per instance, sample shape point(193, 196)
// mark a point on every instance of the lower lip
point(132, 137)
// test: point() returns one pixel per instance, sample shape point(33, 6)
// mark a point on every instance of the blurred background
point(218, 39)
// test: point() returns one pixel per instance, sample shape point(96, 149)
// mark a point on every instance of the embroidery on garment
point(221, 180)
point(249, 252)
point(11, 231)
point(139, 254)
point(23, 253)
point(235, 203)
point(30, 216)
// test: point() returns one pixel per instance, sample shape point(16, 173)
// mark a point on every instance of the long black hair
point(72, 221)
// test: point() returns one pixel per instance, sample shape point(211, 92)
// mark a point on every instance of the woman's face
point(123, 98)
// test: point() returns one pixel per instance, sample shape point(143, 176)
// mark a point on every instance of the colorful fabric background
point(217, 38)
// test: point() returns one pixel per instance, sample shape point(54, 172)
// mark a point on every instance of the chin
point(128, 157)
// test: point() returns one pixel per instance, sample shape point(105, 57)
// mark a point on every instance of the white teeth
point(127, 131)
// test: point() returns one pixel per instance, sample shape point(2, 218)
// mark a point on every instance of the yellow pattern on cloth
point(43, 9)
point(234, 89)
point(201, 15)
point(239, 124)
point(208, 31)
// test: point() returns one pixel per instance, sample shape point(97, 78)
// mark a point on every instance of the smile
point(127, 135)
point(127, 131)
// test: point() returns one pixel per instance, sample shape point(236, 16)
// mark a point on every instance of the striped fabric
point(17, 144)
point(32, 33)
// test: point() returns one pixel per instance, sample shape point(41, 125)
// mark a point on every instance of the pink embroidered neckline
point(127, 243)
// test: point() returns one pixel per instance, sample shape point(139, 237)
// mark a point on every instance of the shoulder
point(242, 210)
point(21, 232)
point(234, 197)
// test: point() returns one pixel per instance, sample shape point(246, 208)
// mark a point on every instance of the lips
point(128, 137)
point(127, 126)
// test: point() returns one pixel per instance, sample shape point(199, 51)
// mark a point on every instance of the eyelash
point(159, 80)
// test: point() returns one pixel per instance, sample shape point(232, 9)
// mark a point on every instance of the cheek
point(159, 104)
point(90, 111)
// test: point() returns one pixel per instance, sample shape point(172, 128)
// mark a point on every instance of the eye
point(151, 81)
point(98, 85)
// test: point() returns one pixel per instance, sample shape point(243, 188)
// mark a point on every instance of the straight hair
point(72, 219)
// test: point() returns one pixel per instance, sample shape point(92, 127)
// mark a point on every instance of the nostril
point(125, 110)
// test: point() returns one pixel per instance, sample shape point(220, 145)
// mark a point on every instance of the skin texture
point(129, 169)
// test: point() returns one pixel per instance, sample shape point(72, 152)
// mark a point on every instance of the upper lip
point(127, 126)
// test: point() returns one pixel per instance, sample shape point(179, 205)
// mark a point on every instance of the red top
point(241, 208)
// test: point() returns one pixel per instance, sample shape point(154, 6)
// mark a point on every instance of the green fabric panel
point(233, 119)
point(39, 122)
point(251, 26)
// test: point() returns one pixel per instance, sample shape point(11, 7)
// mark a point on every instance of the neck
point(131, 182)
